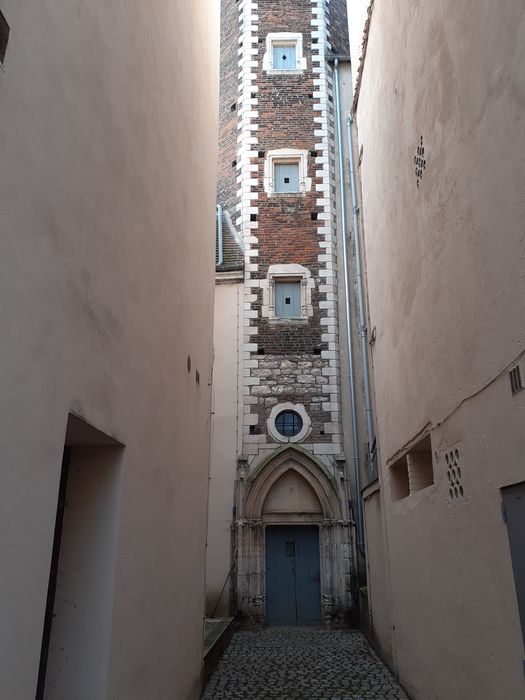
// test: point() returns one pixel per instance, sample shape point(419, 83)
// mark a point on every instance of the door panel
point(280, 576)
point(307, 576)
point(292, 575)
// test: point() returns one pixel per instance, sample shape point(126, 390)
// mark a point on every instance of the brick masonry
point(292, 361)
point(276, 111)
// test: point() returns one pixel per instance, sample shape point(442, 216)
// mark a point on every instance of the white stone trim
point(293, 273)
point(286, 155)
point(288, 406)
point(284, 39)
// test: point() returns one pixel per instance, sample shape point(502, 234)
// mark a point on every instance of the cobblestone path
point(301, 664)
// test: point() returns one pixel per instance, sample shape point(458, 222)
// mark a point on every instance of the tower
point(292, 544)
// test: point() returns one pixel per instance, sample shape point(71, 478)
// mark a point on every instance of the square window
point(288, 299)
point(284, 53)
point(284, 57)
point(286, 177)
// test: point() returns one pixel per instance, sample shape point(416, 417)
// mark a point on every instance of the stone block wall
point(284, 111)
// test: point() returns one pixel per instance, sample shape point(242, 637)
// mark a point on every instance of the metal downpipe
point(361, 301)
point(220, 253)
point(348, 314)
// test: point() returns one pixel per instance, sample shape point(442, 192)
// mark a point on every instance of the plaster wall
point(445, 260)
point(226, 434)
point(78, 663)
point(107, 130)
point(378, 580)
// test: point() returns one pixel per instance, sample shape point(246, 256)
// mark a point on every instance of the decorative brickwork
point(288, 111)
point(287, 115)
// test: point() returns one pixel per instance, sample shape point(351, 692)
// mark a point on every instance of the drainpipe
point(348, 313)
point(361, 301)
point(220, 255)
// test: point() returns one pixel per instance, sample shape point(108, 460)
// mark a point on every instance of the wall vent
point(515, 380)
point(4, 37)
point(454, 475)
point(420, 162)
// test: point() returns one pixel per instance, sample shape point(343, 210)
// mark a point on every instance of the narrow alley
point(301, 664)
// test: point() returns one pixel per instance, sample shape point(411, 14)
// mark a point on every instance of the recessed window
point(286, 177)
point(289, 423)
point(284, 57)
point(4, 37)
point(287, 293)
point(284, 53)
point(288, 299)
point(286, 172)
point(412, 472)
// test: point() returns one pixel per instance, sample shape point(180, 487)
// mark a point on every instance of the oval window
point(289, 423)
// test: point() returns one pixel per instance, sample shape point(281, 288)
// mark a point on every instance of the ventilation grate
point(420, 162)
point(454, 475)
point(4, 37)
point(515, 380)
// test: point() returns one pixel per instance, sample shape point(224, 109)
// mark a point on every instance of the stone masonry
point(292, 362)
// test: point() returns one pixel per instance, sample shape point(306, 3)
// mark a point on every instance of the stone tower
point(277, 189)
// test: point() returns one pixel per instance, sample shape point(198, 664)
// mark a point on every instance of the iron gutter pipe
point(361, 300)
point(348, 314)
point(220, 254)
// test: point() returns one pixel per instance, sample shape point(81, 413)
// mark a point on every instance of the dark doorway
point(77, 625)
point(293, 594)
point(51, 590)
point(514, 508)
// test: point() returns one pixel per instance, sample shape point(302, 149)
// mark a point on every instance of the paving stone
point(301, 664)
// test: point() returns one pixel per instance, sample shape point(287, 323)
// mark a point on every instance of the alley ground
point(301, 664)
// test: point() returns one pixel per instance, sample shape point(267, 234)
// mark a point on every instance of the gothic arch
point(271, 471)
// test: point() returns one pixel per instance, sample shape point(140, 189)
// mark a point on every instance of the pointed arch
point(312, 471)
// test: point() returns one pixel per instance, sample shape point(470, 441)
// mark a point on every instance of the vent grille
point(4, 37)
point(515, 380)
point(454, 475)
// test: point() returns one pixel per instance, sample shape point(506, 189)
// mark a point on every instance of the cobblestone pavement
point(301, 664)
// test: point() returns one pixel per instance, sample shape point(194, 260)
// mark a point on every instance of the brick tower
point(292, 528)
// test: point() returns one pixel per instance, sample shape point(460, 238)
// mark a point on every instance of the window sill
point(286, 194)
point(284, 71)
point(288, 321)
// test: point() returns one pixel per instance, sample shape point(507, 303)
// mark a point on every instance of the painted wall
point(226, 422)
point(445, 260)
point(107, 131)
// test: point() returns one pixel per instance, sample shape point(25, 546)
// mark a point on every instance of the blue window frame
point(286, 177)
point(289, 423)
point(287, 299)
point(284, 57)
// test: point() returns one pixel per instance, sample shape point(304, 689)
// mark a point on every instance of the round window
point(289, 423)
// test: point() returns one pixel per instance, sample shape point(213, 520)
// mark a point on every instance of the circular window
point(289, 423)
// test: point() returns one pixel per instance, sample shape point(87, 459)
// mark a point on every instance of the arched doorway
point(293, 543)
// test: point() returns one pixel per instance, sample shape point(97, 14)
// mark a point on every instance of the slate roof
point(232, 248)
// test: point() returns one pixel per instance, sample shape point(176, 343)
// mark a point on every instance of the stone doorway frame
point(336, 541)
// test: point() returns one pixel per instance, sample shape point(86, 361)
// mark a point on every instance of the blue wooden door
point(293, 595)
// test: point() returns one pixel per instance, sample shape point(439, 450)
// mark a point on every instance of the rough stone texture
point(296, 378)
point(301, 664)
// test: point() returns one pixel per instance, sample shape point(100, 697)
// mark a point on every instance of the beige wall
point(227, 415)
point(445, 282)
point(107, 133)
